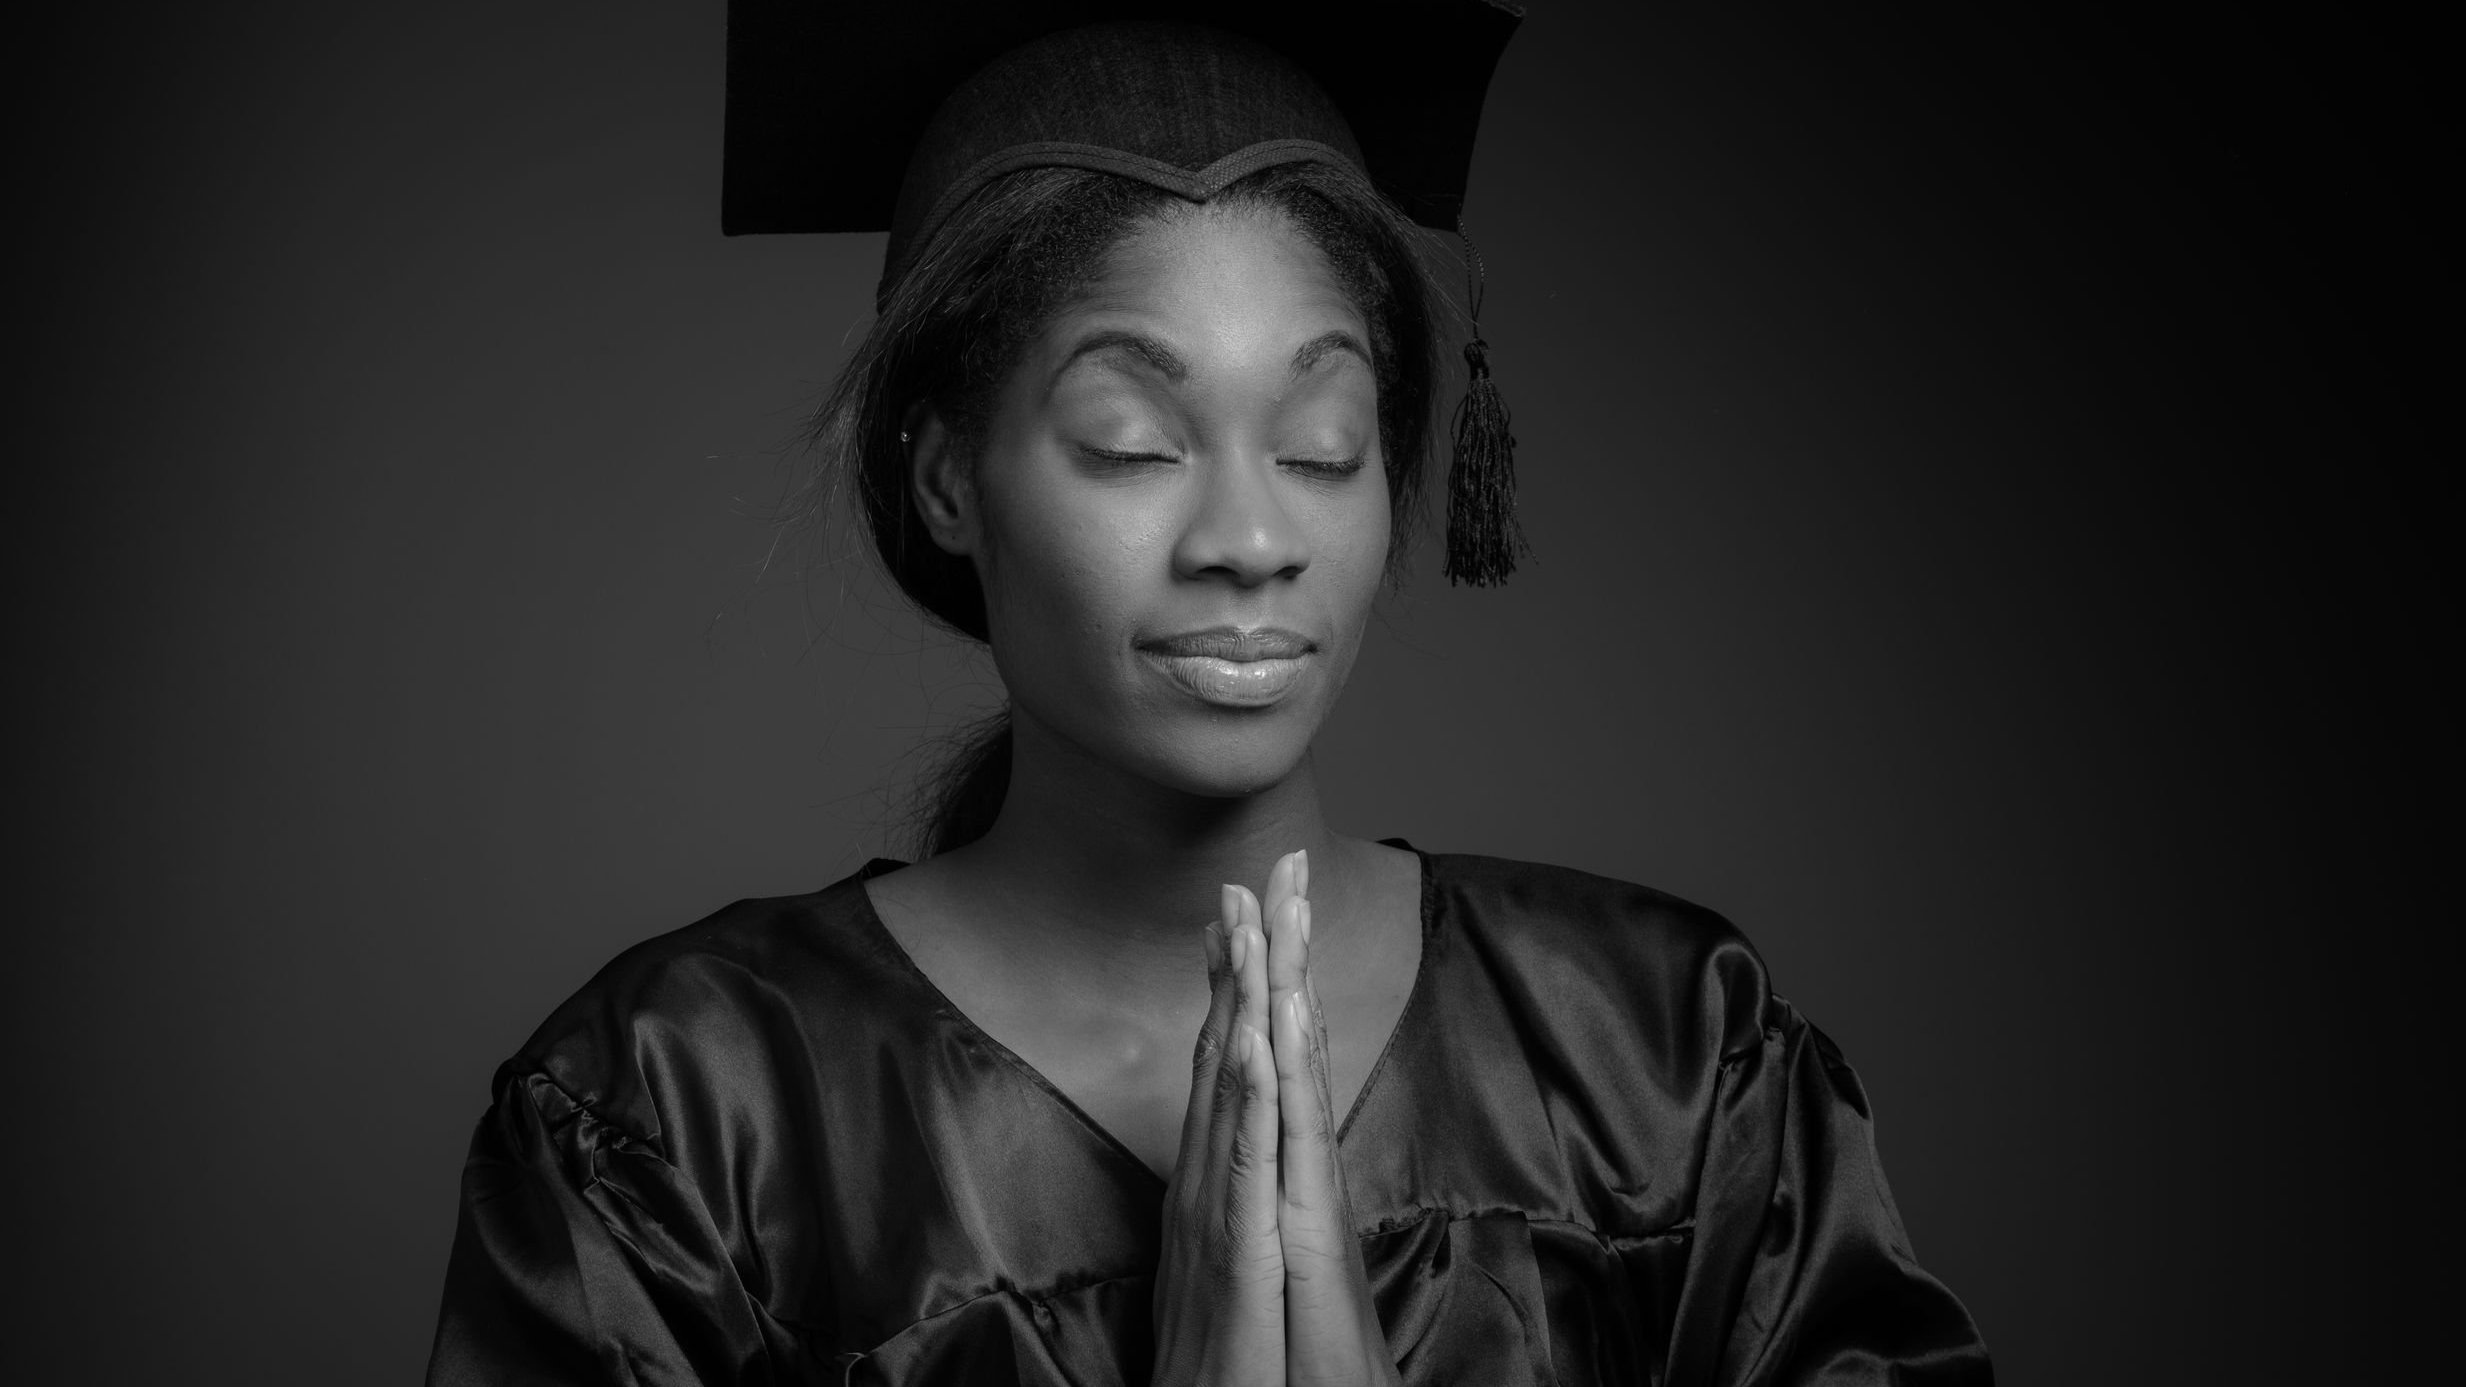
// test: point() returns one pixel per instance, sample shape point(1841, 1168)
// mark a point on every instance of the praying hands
point(1262, 1282)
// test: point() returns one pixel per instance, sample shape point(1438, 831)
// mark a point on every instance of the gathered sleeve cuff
point(582, 1256)
point(1802, 1273)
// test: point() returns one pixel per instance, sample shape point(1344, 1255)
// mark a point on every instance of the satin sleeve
point(581, 1256)
point(1802, 1273)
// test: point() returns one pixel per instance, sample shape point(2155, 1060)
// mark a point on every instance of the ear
point(941, 484)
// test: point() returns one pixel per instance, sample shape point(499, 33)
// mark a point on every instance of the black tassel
point(1483, 539)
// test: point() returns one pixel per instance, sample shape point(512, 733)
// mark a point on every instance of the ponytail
point(966, 790)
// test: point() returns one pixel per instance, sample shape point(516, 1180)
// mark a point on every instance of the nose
point(1239, 528)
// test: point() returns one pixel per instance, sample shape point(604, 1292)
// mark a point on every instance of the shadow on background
point(1979, 470)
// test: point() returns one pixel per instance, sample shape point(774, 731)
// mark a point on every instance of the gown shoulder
point(1629, 948)
point(670, 1014)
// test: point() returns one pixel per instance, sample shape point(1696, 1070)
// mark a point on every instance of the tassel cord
point(1484, 542)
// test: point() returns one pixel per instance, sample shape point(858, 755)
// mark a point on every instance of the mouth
point(1231, 667)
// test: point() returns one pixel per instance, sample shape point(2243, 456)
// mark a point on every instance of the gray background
point(1983, 549)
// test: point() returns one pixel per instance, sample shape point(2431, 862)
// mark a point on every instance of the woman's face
point(1179, 513)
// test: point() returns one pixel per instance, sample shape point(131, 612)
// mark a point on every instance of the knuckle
point(1229, 1084)
point(1251, 1155)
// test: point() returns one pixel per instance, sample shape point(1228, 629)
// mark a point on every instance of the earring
point(903, 437)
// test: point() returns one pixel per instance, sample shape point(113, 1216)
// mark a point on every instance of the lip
point(1234, 643)
point(1230, 666)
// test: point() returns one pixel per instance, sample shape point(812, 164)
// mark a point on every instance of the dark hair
point(951, 327)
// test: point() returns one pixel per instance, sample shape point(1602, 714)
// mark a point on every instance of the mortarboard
point(874, 117)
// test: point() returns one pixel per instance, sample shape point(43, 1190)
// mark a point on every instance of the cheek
point(1060, 576)
point(1348, 567)
point(1356, 551)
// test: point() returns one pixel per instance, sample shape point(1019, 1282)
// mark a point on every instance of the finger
point(1279, 886)
point(1207, 1055)
point(1322, 1053)
point(1301, 1108)
point(1310, 1218)
point(1205, 1165)
point(1302, 920)
point(1242, 949)
point(1251, 1203)
point(1235, 1112)
point(1251, 998)
point(1216, 1030)
point(1288, 950)
point(1313, 1170)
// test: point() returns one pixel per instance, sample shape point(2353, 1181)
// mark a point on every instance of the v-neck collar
point(871, 920)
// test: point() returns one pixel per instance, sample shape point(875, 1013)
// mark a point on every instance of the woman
point(1145, 408)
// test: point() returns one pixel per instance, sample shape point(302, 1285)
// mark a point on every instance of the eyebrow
point(1161, 359)
point(1317, 349)
point(1147, 351)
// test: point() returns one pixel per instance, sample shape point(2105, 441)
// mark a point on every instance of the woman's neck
point(1097, 856)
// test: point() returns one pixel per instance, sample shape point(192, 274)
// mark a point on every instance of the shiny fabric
point(766, 1149)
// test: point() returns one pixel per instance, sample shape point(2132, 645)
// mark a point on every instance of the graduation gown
point(1598, 1149)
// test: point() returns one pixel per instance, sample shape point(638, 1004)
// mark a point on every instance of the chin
point(1225, 760)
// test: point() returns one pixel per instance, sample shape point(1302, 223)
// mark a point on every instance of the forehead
point(1218, 276)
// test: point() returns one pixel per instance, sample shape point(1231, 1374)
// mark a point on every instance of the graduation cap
point(887, 117)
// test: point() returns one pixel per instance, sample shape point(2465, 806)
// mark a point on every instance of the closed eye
point(1122, 458)
point(1326, 468)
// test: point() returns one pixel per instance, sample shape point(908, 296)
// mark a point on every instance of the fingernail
point(1243, 1039)
point(1301, 911)
point(1301, 872)
point(1239, 949)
